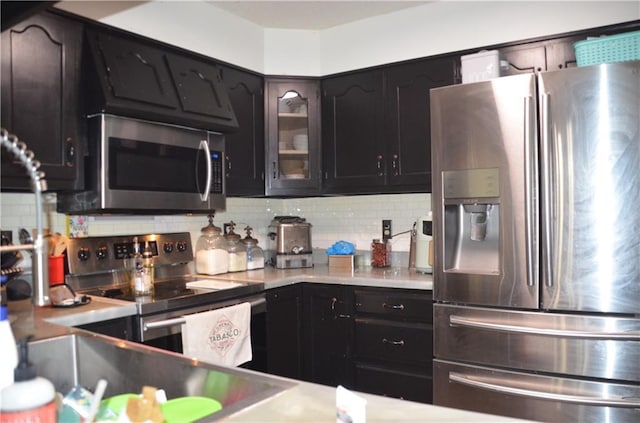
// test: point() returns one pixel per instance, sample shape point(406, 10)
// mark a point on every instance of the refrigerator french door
point(536, 208)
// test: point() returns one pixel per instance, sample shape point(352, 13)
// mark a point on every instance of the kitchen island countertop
point(304, 401)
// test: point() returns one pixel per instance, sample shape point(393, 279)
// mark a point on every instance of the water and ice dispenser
point(471, 221)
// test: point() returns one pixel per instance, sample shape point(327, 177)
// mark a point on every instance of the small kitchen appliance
point(144, 167)
point(423, 259)
point(289, 243)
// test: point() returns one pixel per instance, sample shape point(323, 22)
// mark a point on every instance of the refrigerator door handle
point(632, 335)
point(476, 382)
point(530, 179)
point(546, 158)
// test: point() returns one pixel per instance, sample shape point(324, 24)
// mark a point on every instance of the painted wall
point(434, 28)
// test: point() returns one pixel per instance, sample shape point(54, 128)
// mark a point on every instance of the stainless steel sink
point(84, 358)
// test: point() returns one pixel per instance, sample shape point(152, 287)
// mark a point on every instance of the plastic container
point(237, 250)
point(609, 49)
point(212, 256)
point(30, 398)
point(480, 66)
point(9, 359)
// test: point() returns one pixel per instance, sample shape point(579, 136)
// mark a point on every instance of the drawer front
point(394, 341)
point(401, 305)
point(393, 383)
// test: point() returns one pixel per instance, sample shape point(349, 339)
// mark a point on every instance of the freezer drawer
point(581, 345)
point(533, 396)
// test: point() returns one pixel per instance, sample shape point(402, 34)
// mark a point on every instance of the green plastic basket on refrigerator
point(608, 49)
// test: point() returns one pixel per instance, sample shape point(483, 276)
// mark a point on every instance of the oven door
point(164, 330)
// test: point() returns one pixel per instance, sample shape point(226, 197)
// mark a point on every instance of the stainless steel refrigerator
point(536, 217)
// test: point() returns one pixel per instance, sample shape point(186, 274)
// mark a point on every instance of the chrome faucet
point(40, 266)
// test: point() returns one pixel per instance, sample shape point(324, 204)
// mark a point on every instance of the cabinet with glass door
point(293, 137)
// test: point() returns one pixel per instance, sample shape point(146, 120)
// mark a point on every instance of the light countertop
point(303, 402)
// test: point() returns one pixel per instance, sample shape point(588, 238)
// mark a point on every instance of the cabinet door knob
point(275, 170)
point(386, 341)
point(379, 164)
point(228, 166)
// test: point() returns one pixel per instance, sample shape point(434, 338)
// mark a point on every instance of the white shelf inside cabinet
point(293, 115)
point(293, 152)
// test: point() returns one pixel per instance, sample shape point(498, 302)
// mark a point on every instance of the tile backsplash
point(357, 219)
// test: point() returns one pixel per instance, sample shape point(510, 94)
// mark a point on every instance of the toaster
point(289, 243)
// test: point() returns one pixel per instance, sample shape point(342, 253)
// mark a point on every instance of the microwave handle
point(205, 146)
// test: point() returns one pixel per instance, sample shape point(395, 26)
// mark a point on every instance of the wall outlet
point(386, 230)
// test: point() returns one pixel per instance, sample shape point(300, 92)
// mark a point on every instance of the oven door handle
point(181, 320)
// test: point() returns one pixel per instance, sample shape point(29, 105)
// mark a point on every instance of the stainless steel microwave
point(140, 167)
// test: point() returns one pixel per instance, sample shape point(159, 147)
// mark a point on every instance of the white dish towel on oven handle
point(221, 336)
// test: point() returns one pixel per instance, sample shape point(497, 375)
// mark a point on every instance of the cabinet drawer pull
point(393, 306)
point(386, 341)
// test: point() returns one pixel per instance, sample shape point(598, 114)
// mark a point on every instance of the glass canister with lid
point(212, 256)
point(237, 250)
point(255, 255)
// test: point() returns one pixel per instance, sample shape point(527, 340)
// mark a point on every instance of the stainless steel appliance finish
point(289, 242)
point(537, 246)
point(96, 267)
point(81, 359)
point(142, 167)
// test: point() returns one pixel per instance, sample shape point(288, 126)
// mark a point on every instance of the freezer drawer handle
point(473, 323)
point(386, 341)
point(585, 400)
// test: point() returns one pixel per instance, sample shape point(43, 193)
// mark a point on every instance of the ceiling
point(291, 14)
point(310, 15)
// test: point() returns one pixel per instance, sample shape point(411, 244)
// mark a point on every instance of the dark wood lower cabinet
point(327, 334)
point(284, 331)
point(396, 383)
point(375, 340)
point(393, 343)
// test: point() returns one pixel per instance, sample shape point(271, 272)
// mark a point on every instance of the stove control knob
point(101, 252)
point(83, 254)
point(168, 247)
point(181, 246)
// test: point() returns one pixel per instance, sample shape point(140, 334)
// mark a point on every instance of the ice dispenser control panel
point(472, 183)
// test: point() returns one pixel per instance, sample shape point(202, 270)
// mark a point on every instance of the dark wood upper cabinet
point(292, 137)
point(353, 132)
point(407, 121)
point(135, 78)
point(245, 147)
point(41, 100)
point(376, 127)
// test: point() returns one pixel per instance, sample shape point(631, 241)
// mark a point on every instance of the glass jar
point(212, 256)
point(380, 253)
point(142, 280)
point(237, 250)
point(255, 255)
